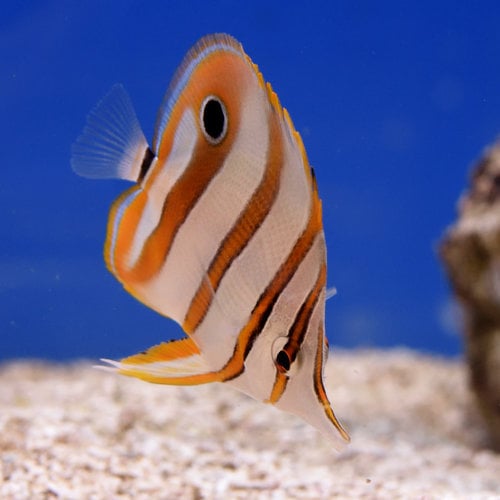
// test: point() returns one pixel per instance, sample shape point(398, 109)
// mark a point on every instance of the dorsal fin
point(112, 144)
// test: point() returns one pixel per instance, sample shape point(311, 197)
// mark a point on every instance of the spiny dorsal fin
point(112, 144)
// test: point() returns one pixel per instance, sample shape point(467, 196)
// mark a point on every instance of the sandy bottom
point(69, 431)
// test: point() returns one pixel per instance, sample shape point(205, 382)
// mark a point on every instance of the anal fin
point(178, 362)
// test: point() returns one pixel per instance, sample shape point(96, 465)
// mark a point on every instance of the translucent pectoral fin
point(178, 362)
point(112, 144)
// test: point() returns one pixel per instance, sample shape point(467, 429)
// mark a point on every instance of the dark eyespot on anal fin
point(147, 160)
point(283, 361)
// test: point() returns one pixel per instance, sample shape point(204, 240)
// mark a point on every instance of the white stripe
point(199, 238)
point(179, 158)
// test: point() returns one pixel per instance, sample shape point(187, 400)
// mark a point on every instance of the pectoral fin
point(178, 362)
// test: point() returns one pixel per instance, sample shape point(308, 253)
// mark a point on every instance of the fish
point(221, 232)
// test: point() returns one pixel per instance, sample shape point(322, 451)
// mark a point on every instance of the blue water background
point(394, 101)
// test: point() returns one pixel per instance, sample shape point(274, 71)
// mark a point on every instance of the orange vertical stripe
point(319, 388)
point(242, 231)
point(298, 330)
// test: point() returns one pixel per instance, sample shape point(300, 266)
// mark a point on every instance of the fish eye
point(283, 361)
point(213, 118)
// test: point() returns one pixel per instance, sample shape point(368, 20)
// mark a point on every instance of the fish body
point(221, 231)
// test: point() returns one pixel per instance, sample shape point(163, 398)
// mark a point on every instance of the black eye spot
point(213, 119)
point(283, 361)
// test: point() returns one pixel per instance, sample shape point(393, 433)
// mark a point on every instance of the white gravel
point(72, 432)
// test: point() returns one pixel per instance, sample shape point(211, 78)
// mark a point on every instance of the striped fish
point(221, 231)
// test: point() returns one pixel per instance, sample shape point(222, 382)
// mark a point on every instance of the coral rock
point(470, 251)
